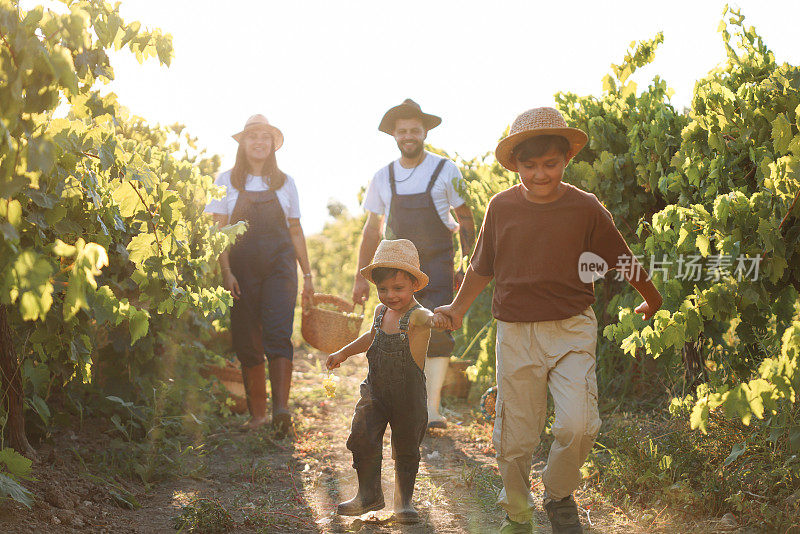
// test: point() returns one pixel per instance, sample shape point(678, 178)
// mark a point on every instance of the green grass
point(653, 459)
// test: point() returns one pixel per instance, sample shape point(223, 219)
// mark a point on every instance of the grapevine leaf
point(736, 451)
point(702, 242)
point(138, 325)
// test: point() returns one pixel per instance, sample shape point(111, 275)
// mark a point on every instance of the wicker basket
point(456, 382)
point(231, 378)
point(330, 330)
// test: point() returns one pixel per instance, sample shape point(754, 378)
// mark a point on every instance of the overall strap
point(435, 175)
point(391, 179)
point(379, 319)
point(407, 317)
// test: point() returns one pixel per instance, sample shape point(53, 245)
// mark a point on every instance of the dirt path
point(253, 483)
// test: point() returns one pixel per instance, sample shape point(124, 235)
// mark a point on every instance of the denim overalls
point(393, 393)
point(414, 217)
point(263, 260)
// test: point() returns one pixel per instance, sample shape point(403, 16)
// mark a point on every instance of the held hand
point(230, 283)
point(440, 322)
point(307, 295)
point(647, 310)
point(454, 319)
point(360, 290)
point(334, 361)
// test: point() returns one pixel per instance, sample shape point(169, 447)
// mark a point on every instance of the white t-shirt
point(412, 181)
point(287, 195)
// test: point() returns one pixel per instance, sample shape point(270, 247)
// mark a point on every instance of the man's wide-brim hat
point(397, 254)
point(408, 109)
point(259, 121)
point(533, 123)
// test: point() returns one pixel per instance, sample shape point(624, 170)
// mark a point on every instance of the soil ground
point(252, 482)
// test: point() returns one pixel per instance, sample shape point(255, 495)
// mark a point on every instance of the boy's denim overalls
point(393, 393)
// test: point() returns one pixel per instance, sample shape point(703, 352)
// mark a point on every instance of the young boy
point(394, 390)
point(531, 243)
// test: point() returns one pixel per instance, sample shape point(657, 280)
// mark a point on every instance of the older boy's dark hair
point(538, 146)
point(379, 274)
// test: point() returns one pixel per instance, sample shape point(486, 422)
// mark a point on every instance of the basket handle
point(339, 302)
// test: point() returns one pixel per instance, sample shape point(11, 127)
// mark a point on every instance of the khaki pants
point(531, 357)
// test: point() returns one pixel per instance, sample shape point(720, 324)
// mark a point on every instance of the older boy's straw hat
point(260, 121)
point(397, 254)
point(408, 108)
point(535, 122)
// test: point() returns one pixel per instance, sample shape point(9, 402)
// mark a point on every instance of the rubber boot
point(404, 480)
point(255, 386)
point(370, 494)
point(435, 372)
point(280, 379)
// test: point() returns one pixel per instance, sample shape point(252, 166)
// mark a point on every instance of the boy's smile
point(397, 292)
point(541, 176)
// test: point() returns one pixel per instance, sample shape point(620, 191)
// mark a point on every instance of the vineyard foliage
point(104, 249)
point(712, 184)
point(103, 246)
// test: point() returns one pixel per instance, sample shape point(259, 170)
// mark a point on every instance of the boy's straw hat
point(397, 254)
point(260, 121)
point(535, 122)
point(408, 107)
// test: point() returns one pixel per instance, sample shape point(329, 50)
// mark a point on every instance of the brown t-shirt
point(533, 252)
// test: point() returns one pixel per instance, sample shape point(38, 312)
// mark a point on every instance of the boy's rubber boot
point(404, 511)
point(370, 494)
point(435, 372)
point(563, 515)
point(280, 379)
point(255, 386)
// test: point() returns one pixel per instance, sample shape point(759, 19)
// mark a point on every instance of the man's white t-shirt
point(412, 181)
point(287, 195)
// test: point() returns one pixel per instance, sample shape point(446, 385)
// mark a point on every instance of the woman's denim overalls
point(393, 393)
point(264, 263)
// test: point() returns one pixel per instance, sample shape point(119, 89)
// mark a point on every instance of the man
point(413, 195)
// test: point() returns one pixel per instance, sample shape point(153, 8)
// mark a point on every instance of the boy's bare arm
point(361, 344)
point(470, 289)
point(641, 282)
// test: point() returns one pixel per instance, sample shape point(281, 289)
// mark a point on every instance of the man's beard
point(413, 153)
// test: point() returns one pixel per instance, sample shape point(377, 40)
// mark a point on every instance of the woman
point(260, 270)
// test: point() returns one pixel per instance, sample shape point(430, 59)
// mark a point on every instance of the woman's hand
point(334, 360)
point(230, 283)
point(307, 294)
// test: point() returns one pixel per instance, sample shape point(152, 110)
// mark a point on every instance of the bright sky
point(325, 72)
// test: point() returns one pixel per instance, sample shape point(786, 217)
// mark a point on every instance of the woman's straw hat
point(535, 122)
point(397, 254)
point(408, 108)
point(260, 121)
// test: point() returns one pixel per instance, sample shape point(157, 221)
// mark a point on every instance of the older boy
point(531, 243)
